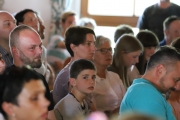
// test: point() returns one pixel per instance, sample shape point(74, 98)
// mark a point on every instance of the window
point(115, 12)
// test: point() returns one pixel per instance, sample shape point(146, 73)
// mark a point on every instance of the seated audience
point(174, 98)
point(79, 42)
point(150, 42)
point(82, 79)
point(87, 22)
point(22, 95)
point(121, 30)
point(57, 52)
point(26, 49)
point(2, 64)
point(109, 89)
point(145, 94)
point(126, 55)
point(171, 26)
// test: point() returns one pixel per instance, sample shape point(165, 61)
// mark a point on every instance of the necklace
point(82, 105)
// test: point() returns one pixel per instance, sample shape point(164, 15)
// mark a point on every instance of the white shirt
point(108, 92)
point(1, 117)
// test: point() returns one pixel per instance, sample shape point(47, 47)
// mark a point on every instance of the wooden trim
point(107, 20)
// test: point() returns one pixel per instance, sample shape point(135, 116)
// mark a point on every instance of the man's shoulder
point(173, 5)
point(151, 7)
point(141, 86)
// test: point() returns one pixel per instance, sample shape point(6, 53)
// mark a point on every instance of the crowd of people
point(137, 80)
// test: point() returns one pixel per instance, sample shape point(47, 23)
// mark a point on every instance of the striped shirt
point(6, 57)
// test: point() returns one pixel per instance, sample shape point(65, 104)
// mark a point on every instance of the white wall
point(41, 6)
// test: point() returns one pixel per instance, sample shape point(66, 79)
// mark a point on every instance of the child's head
point(82, 75)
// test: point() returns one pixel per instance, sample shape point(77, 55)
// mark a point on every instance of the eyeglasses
point(104, 51)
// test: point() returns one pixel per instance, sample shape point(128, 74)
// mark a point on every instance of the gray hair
point(100, 40)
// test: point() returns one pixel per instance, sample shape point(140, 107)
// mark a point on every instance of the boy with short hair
point(82, 79)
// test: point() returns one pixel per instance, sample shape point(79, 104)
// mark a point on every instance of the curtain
point(57, 8)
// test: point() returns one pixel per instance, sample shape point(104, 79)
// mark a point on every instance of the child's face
point(85, 81)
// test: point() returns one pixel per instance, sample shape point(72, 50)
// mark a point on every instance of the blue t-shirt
point(162, 43)
point(143, 97)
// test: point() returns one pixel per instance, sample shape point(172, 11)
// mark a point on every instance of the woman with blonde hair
point(126, 55)
point(109, 90)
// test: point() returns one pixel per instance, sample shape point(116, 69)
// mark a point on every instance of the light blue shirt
point(143, 97)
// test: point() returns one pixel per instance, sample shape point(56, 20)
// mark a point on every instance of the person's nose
point(45, 102)
point(39, 50)
point(93, 48)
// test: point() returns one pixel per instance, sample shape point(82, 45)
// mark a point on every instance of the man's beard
point(28, 61)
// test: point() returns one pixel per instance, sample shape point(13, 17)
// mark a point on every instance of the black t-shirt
point(47, 94)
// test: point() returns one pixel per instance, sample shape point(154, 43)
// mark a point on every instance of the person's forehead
point(6, 16)
point(175, 24)
point(87, 72)
point(31, 87)
point(30, 35)
point(29, 14)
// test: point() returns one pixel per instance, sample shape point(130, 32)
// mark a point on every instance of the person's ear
point(73, 47)
point(15, 51)
point(8, 108)
point(160, 71)
point(72, 81)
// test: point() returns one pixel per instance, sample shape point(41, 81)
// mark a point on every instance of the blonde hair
point(127, 43)
point(65, 15)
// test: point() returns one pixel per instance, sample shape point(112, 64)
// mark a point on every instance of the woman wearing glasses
point(109, 89)
point(126, 55)
point(2, 64)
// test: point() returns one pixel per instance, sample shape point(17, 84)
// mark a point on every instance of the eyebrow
point(36, 45)
point(85, 75)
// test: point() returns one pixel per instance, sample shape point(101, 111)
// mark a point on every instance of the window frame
point(108, 20)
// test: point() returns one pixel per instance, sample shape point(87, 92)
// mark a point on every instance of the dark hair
point(176, 44)
point(122, 29)
point(166, 55)
point(20, 15)
point(169, 20)
point(80, 65)
point(12, 82)
point(148, 39)
point(14, 35)
point(76, 35)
